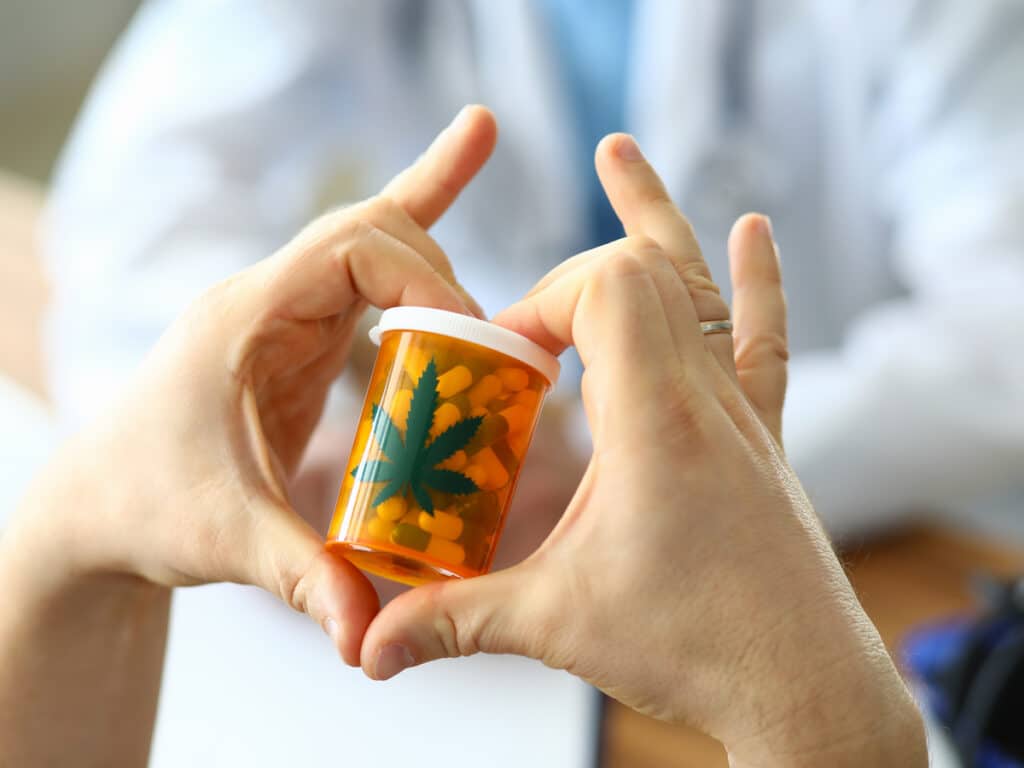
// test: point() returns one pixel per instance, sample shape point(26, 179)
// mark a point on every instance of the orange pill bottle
point(448, 417)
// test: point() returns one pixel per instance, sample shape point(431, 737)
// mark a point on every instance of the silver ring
point(716, 326)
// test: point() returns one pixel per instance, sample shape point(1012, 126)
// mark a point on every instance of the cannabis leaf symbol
point(412, 463)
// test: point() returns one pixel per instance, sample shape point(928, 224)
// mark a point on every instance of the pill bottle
point(448, 417)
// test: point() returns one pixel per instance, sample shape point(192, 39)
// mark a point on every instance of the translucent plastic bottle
point(447, 421)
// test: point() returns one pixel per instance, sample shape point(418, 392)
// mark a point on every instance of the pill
point(378, 528)
point(454, 381)
point(496, 474)
point(443, 524)
point(411, 536)
point(519, 443)
point(400, 408)
point(478, 410)
point(412, 516)
point(461, 401)
point(456, 461)
point(498, 404)
point(527, 397)
point(505, 455)
point(476, 473)
point(492, 428)
point(485, 390)
point(414, 361)
point(446, 551)
point(518, 417)
point(514, 379)
point(445, 415)
point(393, 509)
point(479, 511)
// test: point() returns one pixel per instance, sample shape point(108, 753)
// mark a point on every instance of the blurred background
point(897, 198)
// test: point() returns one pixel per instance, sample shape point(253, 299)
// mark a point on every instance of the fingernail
point(330, 626)
point(391, 660)
point(628, 149)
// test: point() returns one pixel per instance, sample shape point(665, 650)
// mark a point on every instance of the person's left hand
point(196, 459)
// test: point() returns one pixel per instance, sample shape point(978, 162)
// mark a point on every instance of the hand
point(196, 460)
point(689, 577)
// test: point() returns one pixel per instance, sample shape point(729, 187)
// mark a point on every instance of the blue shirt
point(592, 39)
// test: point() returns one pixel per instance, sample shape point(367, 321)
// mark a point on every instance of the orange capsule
point(485, 390)
point(518, 417)
point(527, 397)
point(514, 379)
point(496, 476)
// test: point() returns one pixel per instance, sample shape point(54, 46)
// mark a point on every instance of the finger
point(644, 206)
point(581, 260)
point(759, 305)
point(279, 552)
point(613, 312)
point(384, 213)
point(337, 262)
point(430, 185)
point(499, 613)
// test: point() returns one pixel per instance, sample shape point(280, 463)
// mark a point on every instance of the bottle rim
point(471, 329)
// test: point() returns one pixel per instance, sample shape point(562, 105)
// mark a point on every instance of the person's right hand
point(689, 577)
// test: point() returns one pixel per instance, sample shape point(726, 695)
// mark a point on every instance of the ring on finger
point(716, 326)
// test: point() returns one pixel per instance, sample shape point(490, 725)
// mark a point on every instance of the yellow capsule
point(454, 381)
point(445, 415)
point(446, 551)
point(393, 509)
point(414, 361)
point(494, 470)
point(518, 417)
point(400, 408)
point(477, 474)
point(378, 528)
point(527, 397)
point(485, 390)
point(443, 524)
point(456, 461)
point(412, 517)
point(514, 379)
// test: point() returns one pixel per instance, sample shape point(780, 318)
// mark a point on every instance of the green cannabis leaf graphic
point(412, 463)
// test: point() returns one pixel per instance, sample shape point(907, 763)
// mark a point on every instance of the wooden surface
point(902, 581)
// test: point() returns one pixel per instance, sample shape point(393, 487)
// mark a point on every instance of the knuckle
point(643, 243)
point(761, 349)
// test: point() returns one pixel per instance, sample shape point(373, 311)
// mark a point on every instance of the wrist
point(64, 529)
point(855, 715)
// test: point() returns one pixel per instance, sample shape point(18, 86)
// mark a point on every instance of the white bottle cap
point(469, 329)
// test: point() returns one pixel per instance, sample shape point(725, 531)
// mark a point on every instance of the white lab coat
point(884, 138)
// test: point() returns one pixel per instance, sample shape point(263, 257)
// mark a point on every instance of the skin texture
point(688, 576)
point(185, 483)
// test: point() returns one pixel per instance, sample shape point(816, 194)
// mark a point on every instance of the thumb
point(286, 557)
point(503, 612)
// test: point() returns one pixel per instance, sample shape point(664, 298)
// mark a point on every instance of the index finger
point(645, 208)
point(428, 187)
